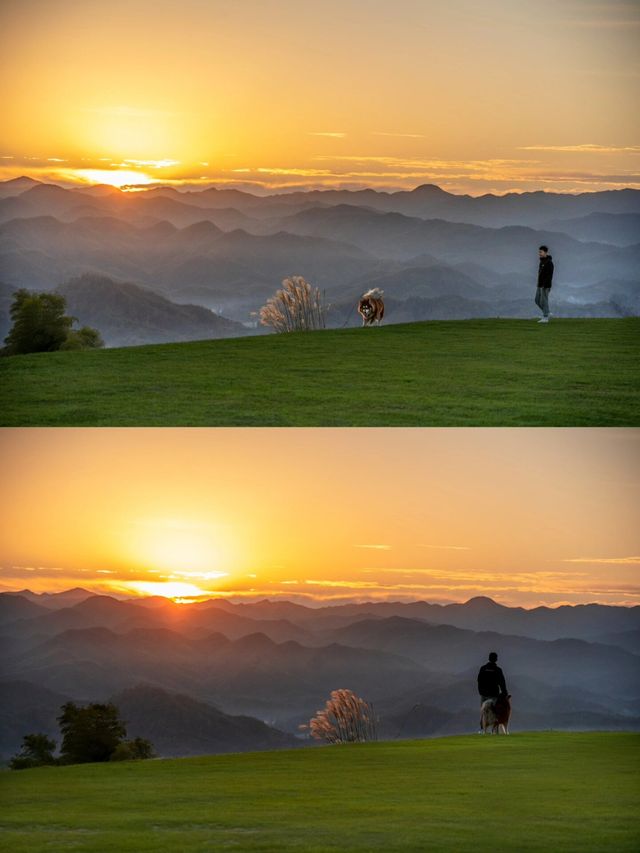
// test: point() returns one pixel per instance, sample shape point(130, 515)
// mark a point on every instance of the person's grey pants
point(542, 300)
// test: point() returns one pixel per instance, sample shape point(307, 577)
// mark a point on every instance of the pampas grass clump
point(346, 718)
point(296, 307)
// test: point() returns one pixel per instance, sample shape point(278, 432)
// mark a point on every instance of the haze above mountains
point(215, 675)
point(152, 265)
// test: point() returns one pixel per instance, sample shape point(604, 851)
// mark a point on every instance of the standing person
point(491, 683)
point(545, 277)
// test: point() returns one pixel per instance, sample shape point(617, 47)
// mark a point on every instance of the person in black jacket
point(491, 683)
point(545, 277)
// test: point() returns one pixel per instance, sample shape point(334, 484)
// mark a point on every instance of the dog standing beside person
point(494, 698)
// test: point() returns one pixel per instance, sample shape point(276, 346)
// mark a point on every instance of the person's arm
point(479, 678)
point(503, 685)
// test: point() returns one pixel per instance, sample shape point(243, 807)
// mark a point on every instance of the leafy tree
point(91, 733)
point(37, 750)
point(133, 750)
point(84, 338)
point(39, 322)
point(41, 325)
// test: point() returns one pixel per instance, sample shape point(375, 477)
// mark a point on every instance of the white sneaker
point(543, 320)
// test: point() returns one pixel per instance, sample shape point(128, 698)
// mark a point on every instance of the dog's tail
point(374, 293)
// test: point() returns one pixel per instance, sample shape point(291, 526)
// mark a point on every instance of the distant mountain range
point(177, 725)
point(183, 669)
point(127, 315)
point(437, 255)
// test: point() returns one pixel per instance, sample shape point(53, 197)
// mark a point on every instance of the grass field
point(544, 792)
point(466, 373)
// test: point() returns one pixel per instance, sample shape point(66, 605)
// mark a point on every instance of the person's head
point(543, 251)
point(493, 657)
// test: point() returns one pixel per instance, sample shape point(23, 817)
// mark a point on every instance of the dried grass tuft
point(346, 718)
point(296, 307)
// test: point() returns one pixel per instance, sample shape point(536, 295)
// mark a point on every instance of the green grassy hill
point(457, 373)
point(545, 791)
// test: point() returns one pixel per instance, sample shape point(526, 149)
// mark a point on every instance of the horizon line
point(319, 602)
point(263, 191)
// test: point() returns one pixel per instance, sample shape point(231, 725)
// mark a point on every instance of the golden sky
point(493, 96)
point(526, 516)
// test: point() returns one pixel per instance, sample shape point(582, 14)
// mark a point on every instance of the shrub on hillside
point(84, 338)
point(37, 751)
point(133, 750)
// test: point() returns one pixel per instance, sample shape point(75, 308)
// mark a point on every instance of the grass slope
point(525, 792)
point(465, 373)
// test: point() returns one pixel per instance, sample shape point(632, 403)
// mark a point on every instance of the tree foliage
point(84, 338)
point(37, 750)
point(89, 733)
point(40, 324)
point(133, 750)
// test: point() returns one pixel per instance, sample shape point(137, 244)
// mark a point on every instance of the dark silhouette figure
point(491, 683)
point(545, 277)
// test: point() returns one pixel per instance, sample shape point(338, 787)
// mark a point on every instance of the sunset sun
point(118, 178)
point(176, 590)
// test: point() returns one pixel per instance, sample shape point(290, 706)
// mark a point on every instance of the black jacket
point(545, 271)
point(491, 680)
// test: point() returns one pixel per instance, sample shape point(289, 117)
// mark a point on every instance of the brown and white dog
point(371, 307)
point(495, 714)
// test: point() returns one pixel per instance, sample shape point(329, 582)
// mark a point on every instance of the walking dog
point(371, 307)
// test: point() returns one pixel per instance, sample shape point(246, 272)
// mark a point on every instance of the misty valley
point(161, 264)
point(216, 676)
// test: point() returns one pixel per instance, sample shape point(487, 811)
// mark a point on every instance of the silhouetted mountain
point(443, 648)
point(619, 229)
point(278, 661)
point(234, 271)
point(14, 607)
point(395, 235)
point(629, 640)
point(228, 250)
point(530, 208)
point(175, 723)
point(179, 725)
point(53, 600)
point(25, 709)
point(108, 612)
point(126, 314)
point(16, 186)
point(582, 621)
point(252, 672)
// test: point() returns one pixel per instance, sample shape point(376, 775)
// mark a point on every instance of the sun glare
point(176, 590)
point(187, 548)
point(112, 177)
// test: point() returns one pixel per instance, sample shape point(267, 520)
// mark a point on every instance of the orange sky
point(526, 516)
point(475, 97)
